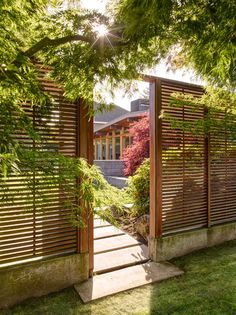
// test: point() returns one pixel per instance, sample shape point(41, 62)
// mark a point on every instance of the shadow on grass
point(208, 287)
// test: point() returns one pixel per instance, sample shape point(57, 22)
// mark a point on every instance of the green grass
point(207, 287)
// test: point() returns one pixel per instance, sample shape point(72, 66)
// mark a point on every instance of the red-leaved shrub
point(135, 153)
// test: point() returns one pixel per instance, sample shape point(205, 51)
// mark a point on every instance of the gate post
point(85, 150)
point(208, 171)
point(155, 159)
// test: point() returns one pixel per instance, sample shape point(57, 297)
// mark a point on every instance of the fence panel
point(184, 183)
point(37, 225)
point(223, 169)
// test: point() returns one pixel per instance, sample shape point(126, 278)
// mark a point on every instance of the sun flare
point(101, 30)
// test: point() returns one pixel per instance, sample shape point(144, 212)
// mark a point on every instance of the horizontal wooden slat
point(26, 231)
point(184, 189)
point(189, 160)
point(223, 174)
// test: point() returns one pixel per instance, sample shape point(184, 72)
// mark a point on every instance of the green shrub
point(109, 201)
point(138, 189)
point(52, 170)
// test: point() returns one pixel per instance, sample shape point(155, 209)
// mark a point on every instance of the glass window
point(104, 150)
point(117, 148)
point(126, 141)
point(110, 150)
point(98, 151)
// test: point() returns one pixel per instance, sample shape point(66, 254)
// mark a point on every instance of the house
point(111, 130)
point(111, 137)
point(102, 118)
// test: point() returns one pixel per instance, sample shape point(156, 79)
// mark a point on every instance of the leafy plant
point(140, 33)
point(80, 186)
point(220, 112)
point(199, 34)
point(138, 189)
point(135, 153)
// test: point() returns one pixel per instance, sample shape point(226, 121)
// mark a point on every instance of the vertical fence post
point(85, 150)
point(208, 172)
point(155, 159)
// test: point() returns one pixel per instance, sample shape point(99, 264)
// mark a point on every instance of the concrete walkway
point(113, 249)
point(120, 263)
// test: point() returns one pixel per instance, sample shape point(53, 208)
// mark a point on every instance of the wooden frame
point(212, 212)
point(85, 139)
point(113, 145)
point(208, 174)
point(155, 159)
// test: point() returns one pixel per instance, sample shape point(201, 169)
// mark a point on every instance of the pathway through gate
point(114, 249)
point(120, 263)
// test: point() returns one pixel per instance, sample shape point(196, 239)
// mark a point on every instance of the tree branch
point(45, 42)
point(96, 43)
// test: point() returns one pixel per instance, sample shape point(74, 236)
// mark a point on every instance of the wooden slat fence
point(184, 188)
point(223, 171)
point(193, 181)
point(25, 231)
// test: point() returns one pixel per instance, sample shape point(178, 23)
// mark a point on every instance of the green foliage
point(138, 189)
point(220, 112)
point(80, 185)
point(218, 99)
point(28, 30)
point(109, 201)
point(197, 33)
point(140, 34)
point(64, 39)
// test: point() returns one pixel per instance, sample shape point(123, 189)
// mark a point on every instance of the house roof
point(107, 116)
point(120, 121)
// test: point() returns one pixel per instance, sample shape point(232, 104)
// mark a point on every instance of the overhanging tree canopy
point(203, 31)
point(139, 34)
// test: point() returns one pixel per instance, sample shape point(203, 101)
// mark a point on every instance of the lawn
point(207, 287)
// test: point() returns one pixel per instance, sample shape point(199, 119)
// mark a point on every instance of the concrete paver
point(106, 232)
point(121, 258)
point(113, 243)
point(125, 279)
point(120, 263)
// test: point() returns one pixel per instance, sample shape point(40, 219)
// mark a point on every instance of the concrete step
point(98, 223)
point(125, 279)
point(113, 243)
point(107, 231)
point(121, 258)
